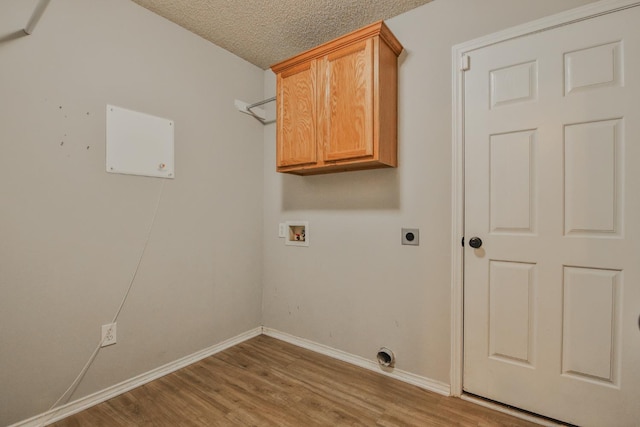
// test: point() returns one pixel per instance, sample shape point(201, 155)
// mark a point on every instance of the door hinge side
point(465, 63)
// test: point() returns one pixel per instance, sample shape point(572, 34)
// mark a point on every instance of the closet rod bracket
point(257, 113)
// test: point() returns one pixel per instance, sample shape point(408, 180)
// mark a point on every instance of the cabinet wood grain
point(296, 124)
point(337, 105)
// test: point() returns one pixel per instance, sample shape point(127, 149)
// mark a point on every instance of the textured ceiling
point(268, 31)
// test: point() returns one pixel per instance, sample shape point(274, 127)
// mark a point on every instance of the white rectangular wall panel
point(511, 311)
point(593, 67)
point(590, 326)
point(512, 183)
point(139, 144)
point(516, 83)
point(593, 178)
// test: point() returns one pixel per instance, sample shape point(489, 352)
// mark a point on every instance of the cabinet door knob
point(475, 242)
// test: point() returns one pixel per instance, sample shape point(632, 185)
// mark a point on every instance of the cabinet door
point(296, 125)
point(346, 116)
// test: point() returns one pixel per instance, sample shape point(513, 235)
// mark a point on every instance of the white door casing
point(551, 300)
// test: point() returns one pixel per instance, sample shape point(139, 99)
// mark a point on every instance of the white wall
point(71, 234)
point(356, 288)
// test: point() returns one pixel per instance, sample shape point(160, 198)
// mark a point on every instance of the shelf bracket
point(257, 113)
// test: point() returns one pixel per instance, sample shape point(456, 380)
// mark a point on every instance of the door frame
point(459, 53)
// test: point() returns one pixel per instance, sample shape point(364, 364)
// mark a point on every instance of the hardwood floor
point(267, 382)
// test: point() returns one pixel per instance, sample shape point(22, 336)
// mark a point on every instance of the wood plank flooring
point(267, 382)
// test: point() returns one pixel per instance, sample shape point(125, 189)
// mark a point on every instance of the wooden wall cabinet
point(337, 105)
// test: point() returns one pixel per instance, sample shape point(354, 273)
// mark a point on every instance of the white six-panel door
point(552, 188)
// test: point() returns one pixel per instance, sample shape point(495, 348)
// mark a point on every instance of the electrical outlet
point(108, 334)
point(282, 230)
point(411, 236)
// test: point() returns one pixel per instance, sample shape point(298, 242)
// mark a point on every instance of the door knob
point(475, 242)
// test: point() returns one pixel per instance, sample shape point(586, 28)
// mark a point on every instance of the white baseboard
point(407, 377)
point(86, 402)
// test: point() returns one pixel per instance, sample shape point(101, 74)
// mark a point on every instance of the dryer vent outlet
point(386, 358)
